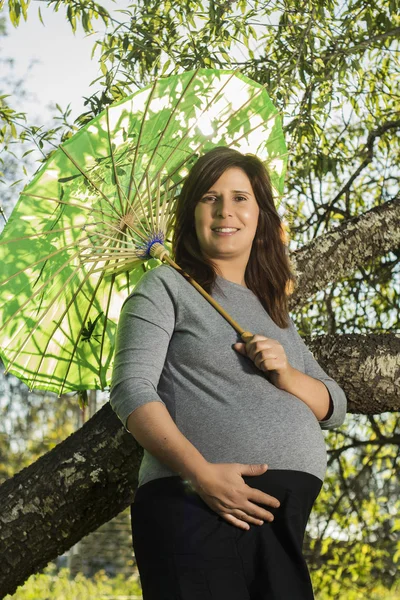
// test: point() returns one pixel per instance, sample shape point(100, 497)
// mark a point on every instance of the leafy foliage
point(50, 585)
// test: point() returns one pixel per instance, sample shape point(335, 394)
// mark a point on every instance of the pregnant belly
point(283, 432)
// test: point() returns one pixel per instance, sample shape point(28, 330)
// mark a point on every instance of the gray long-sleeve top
point(174, 347)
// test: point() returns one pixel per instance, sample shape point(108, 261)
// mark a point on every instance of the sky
point(62, 65)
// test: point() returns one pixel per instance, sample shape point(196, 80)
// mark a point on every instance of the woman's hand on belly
point(222, 487)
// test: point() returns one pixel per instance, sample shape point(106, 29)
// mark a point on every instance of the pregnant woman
point(234, 453)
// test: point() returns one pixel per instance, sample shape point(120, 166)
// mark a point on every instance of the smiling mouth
point(225, 232)
point(225, 227)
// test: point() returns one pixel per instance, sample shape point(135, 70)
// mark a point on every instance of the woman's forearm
point(152, 426)
point(311, 391)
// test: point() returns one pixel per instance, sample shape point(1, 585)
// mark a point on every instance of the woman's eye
point(213, 197)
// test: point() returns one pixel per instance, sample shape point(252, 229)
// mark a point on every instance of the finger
point(233, 521)
point(240, 347)
point(259, 338)
point(258, 514)
point(262, 498)
point(258, 350)
point(266, 364)
point(249, 516)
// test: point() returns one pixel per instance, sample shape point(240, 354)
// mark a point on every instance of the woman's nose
point(224, 208)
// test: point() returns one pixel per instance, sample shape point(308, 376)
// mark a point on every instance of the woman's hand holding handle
point(222, 488)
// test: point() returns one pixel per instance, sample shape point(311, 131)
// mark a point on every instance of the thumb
point(240, 347)
point(253, 469)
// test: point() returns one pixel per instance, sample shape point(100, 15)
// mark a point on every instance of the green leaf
point(83, 399)
point(15, 183)
point(24, 7)
point(166, 66)
point(40, 15)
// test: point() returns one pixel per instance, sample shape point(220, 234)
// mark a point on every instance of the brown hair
point(268, 272)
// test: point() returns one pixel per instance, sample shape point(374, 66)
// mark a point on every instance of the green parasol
point(100, 212)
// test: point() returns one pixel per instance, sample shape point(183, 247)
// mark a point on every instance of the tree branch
point(338, 253)
point(369, 151)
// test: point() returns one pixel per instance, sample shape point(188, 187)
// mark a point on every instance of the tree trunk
point(83, 482)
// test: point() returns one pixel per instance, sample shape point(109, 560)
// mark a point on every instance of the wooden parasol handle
point(159, 251)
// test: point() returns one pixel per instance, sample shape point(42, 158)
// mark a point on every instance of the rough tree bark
point(338, 253)
point(92, 476)
point(83, 482)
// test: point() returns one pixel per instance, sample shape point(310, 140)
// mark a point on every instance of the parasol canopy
point(80, 235)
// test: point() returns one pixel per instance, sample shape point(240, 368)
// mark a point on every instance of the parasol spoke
point(110, 237)
point(43, 259)
point(82, 326)
point(50, 336)
point(149, 196)
point(119, 189)
point(124, 268)
point(106, 319)
point(168, 207)
point(118, 252)
point(39, 289)
point(131, 179)
point(87, 207)
point(84, 321)
point(78, 243)
point(51, 304)
point(40, 234)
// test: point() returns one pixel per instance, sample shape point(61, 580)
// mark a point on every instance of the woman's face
point(230, 202)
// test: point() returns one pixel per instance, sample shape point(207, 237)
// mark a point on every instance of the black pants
point(185, 551)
